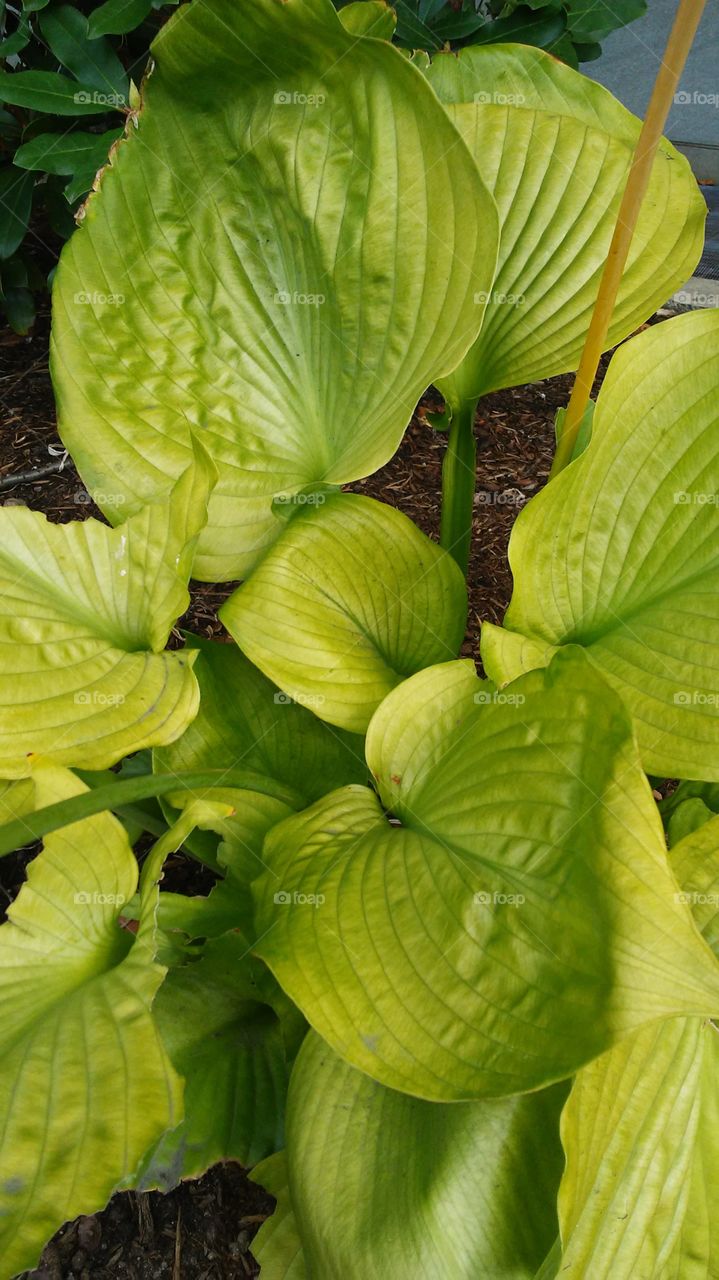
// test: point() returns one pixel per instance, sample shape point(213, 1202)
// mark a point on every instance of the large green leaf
point(87, 612)
point(351, 599)
point(619, 552)
point(387, 1185)
point(555, 148)
point(641, 1132)
point(277, 1245)
point(245, 722)
point(517, 915)
point(86, 1085)
point(292, 281)
point(695, 860)
point(231, 1034)
point(640, 1129)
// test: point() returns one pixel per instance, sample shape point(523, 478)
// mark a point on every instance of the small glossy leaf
point(516, 917)
point(524, 28)
point(116, 17)
point(19, 38)
point(619, 552)
point(284, 247)
point(351, 599)
point(91, 61)
point(479, 1179)
point(19, 308)
point(88, 609)
point(594, 19)
point(86, 1084)
point(66, 152)
point(52, 93)
point(411, 31)
point(16, 190)
point(231, 1035)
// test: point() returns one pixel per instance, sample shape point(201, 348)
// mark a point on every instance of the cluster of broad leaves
point(448, 990)
point(69, 72)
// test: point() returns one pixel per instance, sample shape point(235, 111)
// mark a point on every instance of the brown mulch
point(515, 444)
point(203, 1229)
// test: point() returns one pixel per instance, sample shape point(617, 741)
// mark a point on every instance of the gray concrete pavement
point(629, 64)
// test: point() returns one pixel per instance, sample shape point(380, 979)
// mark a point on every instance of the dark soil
point(203, 1229)
point(200, 1231)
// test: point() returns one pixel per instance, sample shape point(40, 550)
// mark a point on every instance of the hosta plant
point(293, 323)
point(447, 990)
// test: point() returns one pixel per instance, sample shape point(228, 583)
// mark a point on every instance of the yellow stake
point(679, 43)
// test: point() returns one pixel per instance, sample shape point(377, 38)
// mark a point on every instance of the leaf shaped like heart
point(86, 1084)
point(620, 552)
point(479, 1179)
point(640, 1132)
point(281, 256)
point(514, 918)
point(87, 612)
point(351, 599)
point(231, 1034)
point(554, 148)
